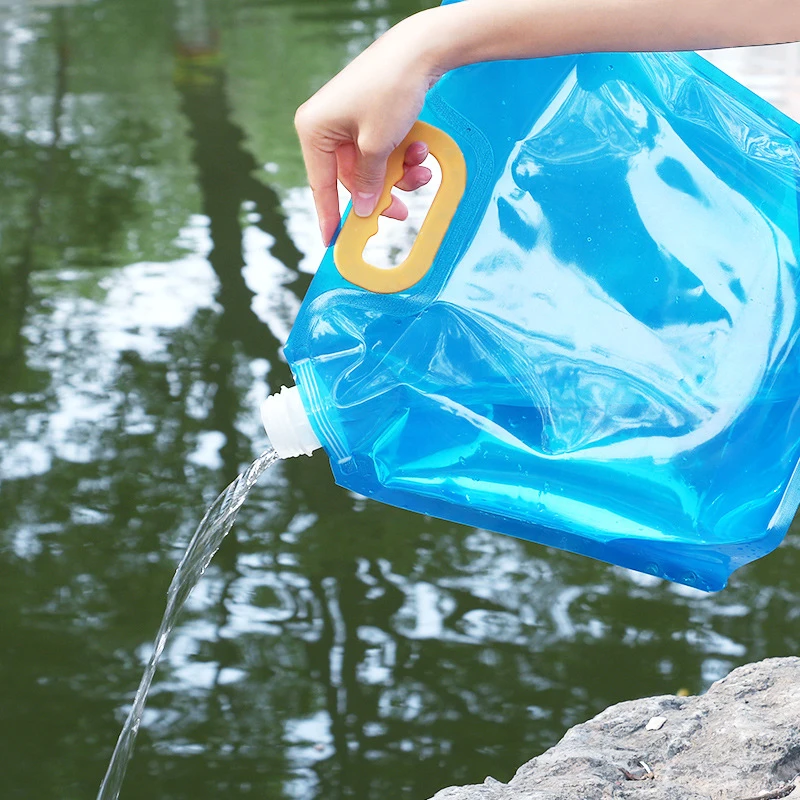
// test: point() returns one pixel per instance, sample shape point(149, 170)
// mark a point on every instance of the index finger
point(321, 168)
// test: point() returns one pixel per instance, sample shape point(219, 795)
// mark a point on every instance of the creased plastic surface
point(604, 356)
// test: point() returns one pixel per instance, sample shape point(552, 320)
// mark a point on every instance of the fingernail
point(364, 203)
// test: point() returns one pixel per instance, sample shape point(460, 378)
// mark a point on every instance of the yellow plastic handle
point(348, 252)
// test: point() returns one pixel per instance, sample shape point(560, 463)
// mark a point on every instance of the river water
point(156, 238)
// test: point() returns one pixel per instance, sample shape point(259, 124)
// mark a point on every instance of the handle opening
point(392, 244)
point(349, 250)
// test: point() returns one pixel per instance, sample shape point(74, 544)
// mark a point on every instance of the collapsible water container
point(594, 342)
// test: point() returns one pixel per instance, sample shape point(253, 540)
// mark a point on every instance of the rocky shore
point(738, 741)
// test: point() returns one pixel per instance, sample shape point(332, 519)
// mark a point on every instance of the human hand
point(349, 128)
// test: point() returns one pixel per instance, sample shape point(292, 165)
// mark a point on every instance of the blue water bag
point(593, 344)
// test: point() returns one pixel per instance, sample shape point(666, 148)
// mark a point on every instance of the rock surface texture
point(740, 740)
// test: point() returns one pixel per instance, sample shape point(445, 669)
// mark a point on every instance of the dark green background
point(155, 240)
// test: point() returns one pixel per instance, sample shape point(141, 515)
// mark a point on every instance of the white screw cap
point(287, 424)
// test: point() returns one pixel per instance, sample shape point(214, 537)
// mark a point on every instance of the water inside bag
point(603, 355)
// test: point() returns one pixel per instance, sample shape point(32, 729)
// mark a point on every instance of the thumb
point(369, 176)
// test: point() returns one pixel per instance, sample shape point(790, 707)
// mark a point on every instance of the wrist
point(430, 39)
point(453, 35)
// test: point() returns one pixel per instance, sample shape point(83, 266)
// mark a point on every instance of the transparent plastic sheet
point(604, 355)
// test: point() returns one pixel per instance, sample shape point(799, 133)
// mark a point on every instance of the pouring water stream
point(213, 528)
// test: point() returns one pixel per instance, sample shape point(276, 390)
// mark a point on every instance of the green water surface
point(156, 238)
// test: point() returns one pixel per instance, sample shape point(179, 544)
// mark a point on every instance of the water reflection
point(336, 648)
point(26, 225)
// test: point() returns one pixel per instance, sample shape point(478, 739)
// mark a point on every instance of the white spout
point(287, 424)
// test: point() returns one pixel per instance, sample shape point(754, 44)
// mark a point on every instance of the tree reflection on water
point(150, 267)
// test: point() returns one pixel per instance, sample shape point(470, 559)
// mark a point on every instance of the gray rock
point(741, 739)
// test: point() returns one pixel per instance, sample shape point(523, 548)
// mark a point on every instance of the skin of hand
point(349, 127)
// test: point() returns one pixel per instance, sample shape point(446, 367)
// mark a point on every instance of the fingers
point(369, 175)
point(363, 173)
point(414, 178)
point(416, 153)
point(397, 210)
point(321, 166)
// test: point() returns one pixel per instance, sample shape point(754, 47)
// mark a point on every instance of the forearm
point(349, 128)
point(487, 30)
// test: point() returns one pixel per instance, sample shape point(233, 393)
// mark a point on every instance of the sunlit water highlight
point(213, 528)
